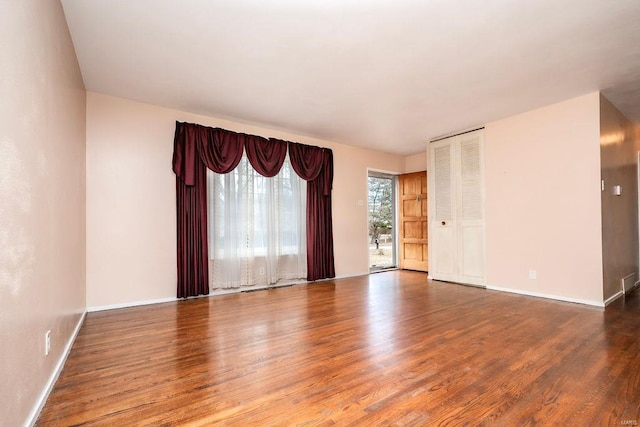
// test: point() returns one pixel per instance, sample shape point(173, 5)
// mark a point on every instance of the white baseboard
point(635, 285)
point(548, 296)
point(213, 293)
point(346, 276)
point(42, 399)
point(612, 298)
point(131, 304)
point(282, 284)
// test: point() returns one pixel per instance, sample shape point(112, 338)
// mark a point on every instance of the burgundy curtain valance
point(198, 147)
point(266, 155)
point(306, 160)
point(221, 151)
point(309, 161)
point(184, 153)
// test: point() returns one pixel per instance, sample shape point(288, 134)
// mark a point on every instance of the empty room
point(319, 213)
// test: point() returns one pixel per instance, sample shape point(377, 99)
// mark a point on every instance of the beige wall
point(42, 194)
point(131, 199)
point(619, 145)
point(543, 201)
point(416, 162)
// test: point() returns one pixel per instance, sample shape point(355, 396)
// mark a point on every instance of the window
point(257, 227)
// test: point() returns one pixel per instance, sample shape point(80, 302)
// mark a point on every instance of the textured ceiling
point(388, 75)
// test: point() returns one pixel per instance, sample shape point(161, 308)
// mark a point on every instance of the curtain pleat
point(306, 160)
point(219, 149)
point(198, 147)
point(265, 155)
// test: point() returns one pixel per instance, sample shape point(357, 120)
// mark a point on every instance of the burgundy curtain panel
point(191, 210)
point(315, 165)
point(196, 148)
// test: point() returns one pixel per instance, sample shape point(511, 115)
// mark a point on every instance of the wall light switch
point(47, 343)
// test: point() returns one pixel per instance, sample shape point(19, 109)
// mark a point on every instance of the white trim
point(228, 291)
point(130, 304)
point(44, 395)
point(283, 284)
point(217, 292)
point(388, 172)
point(547, 296)
point(347, 276)
point(612, 298)
point(213, 293)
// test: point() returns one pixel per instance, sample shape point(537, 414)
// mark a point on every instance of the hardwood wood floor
point(385, 349)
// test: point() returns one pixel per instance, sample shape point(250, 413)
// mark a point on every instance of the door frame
point(394, 220)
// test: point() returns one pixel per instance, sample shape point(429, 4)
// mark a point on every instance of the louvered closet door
point(456, 224)
point(442, 230)
point(470, 210)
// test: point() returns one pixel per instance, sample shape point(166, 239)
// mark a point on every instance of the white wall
point(543, 201)
point(42, 200)
point(131, 219)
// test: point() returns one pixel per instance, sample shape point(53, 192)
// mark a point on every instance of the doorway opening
point(382, 219)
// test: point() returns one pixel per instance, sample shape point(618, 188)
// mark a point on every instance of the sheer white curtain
point(257, 227)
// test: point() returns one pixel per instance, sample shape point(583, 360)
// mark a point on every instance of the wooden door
point(412, 233)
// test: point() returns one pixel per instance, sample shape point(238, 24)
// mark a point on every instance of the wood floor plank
point(385, 349)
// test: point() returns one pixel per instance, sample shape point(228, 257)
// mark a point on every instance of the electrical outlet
point(47, 343)
point(262, 271)
point(533, 274)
